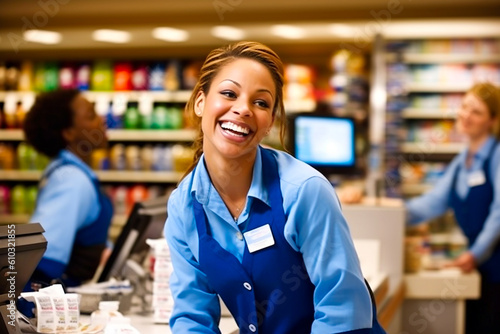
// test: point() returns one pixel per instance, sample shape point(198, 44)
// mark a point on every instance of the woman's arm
point(435, 202)
point(317, 228)
point(196, 307)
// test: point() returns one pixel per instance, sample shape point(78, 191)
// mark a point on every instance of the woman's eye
point(228, 93)
point(262, 104)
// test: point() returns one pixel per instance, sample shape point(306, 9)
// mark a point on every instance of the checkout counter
point(421, 302)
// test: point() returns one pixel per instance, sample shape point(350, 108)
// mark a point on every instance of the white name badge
point(259, 238)
point(476, 178)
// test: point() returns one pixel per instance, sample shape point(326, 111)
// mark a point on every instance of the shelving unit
point(430, 77)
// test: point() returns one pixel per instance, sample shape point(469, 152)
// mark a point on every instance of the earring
point(198, 113)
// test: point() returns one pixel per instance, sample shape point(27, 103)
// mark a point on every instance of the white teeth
point(234, 127)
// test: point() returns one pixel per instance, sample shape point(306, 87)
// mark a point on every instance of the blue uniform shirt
point(67, 201)
point(315, 227)
point(436, 202)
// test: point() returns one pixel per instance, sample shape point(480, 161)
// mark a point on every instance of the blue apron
point(89, 242)
point(471, 214)
point(270, 292)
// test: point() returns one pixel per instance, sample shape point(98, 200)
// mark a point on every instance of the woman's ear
point(68, 134)
point(199, 104)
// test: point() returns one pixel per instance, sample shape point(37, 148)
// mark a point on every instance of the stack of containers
point(162, 296)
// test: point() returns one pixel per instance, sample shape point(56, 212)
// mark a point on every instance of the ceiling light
point(170, 34)
point(111, 36)
point(227, 32)
point(288, 31)
point(341, 30)
point(42, 36)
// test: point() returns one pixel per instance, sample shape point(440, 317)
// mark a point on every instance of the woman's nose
point(242, 108)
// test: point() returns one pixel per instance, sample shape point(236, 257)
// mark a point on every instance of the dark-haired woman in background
point(70, 206)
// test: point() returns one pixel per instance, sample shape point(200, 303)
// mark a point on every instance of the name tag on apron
point(259, 238)
point(476, 178)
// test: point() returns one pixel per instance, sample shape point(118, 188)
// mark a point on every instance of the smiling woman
point(256, 226)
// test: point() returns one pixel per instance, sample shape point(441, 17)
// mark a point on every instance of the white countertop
point(448, 283)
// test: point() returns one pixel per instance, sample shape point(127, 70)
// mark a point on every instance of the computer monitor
point(146, 221)
point(327, 143)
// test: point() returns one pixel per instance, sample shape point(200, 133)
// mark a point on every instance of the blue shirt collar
point(202, 187)
point(69, 156)
point(483, 153)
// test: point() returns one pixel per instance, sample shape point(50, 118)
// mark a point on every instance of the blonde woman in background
point(471, 187)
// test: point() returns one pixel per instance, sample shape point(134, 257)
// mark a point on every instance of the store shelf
point(415, 189)
point(442, 58)
point(299, 106)
point(437, 87)
point(13, 219)
point(415, 113)
point(151, 135)
point(180, 96)
point(432, 148)
point(121, 135)
point(20, 175)
point(104, 176)
point(117, 220)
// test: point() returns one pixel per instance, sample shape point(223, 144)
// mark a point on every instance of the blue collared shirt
point(67, 201)
point(315, 227)
point(435, 202)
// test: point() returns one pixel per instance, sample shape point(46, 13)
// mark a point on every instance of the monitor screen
point(146, 221)
point(326, 143)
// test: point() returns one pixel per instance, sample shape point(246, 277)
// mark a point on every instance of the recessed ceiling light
point(227, 32)
point(111, 36)
point(42, 36)
point(288, 31)
point(341, 30)
point(170, 34)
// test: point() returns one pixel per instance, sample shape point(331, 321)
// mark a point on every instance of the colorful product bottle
point(123, 76)
point(67, 77)
point(157, 77)
point(18, 200)
point(26, 76)
point(102, 76)
point(140, 77)
point(51, 76)
point(83, 77)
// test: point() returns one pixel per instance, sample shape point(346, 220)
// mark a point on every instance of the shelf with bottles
point(121, 135)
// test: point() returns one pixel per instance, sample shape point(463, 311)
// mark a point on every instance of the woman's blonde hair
point(490, 95)
point(215, 61)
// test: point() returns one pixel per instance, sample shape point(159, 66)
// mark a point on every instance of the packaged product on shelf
point(132, 158)
point(190, 75)
point(39, 76)
point(67, 79)
point(51, 76)
point(9, 110)
point(119, 199)
point(145, 111)
point(173, 75)
point(132, 118)
point(102, 76)
point(7, 156)
point(123, 76)
point(456, 73)
point(26, 76)
point(425, 73)
point(3, 74)
point(486, 73)
point(30, 194)
point(135, 194)
point(175, 118)
point(83, 77)
point(139, 80)
point(117, 157)
point(160, 117)
point(4, 200)
point(11, 77)
point(182, 156)
point(146, 157)
point(18, 199)
point(157, 77)
point(99, 159)
point(464, 46)
point(116, 114)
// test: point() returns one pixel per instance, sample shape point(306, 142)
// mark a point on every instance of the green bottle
point(160, 117)
point(132, 118)
point(51, 76)
point(17, 200)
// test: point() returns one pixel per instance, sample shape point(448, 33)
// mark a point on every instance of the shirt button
point(247, 286)
point(239, 236)
point(252, 327)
